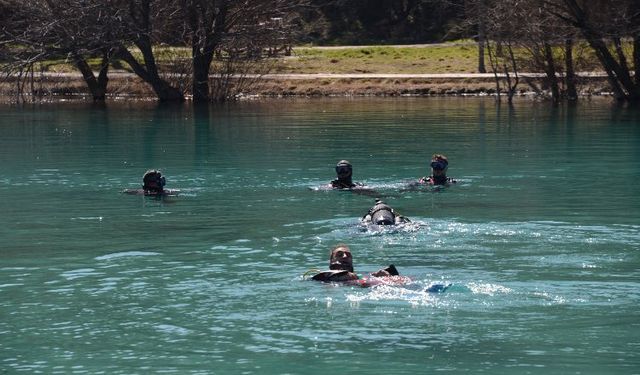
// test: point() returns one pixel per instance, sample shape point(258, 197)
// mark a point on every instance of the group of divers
point(341, 269)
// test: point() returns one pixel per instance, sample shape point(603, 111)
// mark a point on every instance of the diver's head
point(382, 214)
point(340, 258)
point(439, 165)
point(153, 181)
point(344, 170)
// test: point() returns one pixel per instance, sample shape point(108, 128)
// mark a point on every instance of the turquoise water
point(540, 239)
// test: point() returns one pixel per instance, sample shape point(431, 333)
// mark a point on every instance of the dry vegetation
point(400, 87)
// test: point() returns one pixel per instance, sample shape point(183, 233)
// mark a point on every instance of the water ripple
point(126, 254)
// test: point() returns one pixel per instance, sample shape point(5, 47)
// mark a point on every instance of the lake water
point(540, 238)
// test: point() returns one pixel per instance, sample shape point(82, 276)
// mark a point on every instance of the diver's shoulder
point(163, 193)
point(337, 184)
point(430, 181)
point(133, 191)
point(334, 276)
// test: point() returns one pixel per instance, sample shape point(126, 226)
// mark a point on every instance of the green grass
point(454, 58)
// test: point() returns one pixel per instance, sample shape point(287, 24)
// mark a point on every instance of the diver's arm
point(390, 270)
point(401, 219)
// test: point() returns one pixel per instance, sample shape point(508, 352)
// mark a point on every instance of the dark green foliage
point(383, 21)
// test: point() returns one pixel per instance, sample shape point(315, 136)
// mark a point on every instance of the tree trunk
point(618, 74)
point(611, 67)
point(207, 28)
point(635, 10)
point(149, 73)
point(622, 60)
point(494, 68)
point(480, 11)
point(570, 74)
point(140, 12)
point(481, 45)
point(201, 67)
point(514, 66)
point(97, 86)
point(550, 70)
point(636, 57)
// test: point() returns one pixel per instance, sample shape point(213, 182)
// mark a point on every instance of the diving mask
point(439, 165)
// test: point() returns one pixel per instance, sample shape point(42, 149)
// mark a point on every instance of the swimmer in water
point(152, 185)
point(438, 177)
point(439, 165)
point(153, 182)
point(382, 214)
point(344, 172)
point(341, 269)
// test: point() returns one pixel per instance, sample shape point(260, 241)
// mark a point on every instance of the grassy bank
point(449, 58)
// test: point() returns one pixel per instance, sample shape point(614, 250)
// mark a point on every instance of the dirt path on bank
point(390, 46)
point(312, 76)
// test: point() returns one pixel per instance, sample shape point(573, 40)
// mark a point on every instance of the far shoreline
point(126, 86)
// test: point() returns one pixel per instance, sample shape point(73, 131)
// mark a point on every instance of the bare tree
point(37, 30)
point(144, 24)
point(148, 35)
point(207, 25)
point(500, 19)
point(543, 44)
point(77, 30)
point(540, 34)
point(231, 31)
point(605, 25)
